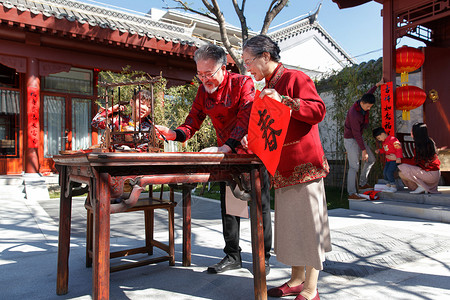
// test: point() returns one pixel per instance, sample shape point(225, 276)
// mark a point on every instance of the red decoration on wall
point(33, 103)
point(269, 121)
point(387, 108)
point(408, 59)
point(409, 97)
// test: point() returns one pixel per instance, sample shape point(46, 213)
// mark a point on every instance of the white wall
point(310, 51)
point(328, 127)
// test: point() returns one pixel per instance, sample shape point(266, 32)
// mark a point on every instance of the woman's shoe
point(300, 297)
point(419, 190)
point(285, 290)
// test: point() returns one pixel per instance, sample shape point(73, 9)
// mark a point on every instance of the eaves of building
point(91, 24)
point(305, 25)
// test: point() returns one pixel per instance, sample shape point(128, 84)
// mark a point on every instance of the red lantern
point(408, 59)
point(409, 97)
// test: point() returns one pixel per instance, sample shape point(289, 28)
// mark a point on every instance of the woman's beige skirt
point(429, 180)
point(302, 233)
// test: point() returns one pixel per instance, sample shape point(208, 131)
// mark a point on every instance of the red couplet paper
point(387, 108)
point(33, 116)
point(269, 121)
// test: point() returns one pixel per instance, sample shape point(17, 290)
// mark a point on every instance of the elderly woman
point(421, 174)
point(302, 234)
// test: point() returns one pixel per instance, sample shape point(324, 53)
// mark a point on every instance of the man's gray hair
point(211, 51)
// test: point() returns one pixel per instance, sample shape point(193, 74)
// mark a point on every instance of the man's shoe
point(227, 263)
point(355, 197)
point(366, 186)
point(285, 290)
point(300, 297)
point(267, 265)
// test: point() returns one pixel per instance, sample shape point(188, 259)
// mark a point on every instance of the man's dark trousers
point(231, 224)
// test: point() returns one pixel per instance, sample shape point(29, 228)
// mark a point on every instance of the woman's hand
point(271, 93)
point(169, 134)
point(244, 141)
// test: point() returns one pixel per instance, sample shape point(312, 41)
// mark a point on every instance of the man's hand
point(224, 149)
point(364, 155)
point(381, 82)
point(168, 133)
point(271, 93)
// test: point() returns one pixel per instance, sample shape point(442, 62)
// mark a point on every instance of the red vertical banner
point(387, 108)
point(267, 128)
point(33, 116)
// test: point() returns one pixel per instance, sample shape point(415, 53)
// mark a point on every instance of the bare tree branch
point(212, 6)
point(186, 7)
point(275, 7)
point(242, 19)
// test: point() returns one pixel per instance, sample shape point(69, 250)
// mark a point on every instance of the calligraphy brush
point(162, 135)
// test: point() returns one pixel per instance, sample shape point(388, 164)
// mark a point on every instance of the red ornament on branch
point(409, 97)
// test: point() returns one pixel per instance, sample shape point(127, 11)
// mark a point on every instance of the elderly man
point(227, 99)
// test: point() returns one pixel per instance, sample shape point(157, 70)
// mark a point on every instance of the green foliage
point(347, 86)
point(128, 91)
point(171, 105)
point(178, 103)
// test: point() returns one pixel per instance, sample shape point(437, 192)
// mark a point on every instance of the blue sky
point(357, 30)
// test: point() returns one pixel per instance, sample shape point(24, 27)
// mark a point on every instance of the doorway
point(66, 126)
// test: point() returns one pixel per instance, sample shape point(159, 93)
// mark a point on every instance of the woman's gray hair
point(211, 51)
point(259, 44)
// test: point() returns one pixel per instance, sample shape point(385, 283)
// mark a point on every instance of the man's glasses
point(208, 76)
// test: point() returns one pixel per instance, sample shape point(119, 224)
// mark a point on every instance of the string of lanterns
point(408, 97)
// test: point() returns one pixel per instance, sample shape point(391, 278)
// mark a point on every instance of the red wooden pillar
point(389, 42)
point(32, 124)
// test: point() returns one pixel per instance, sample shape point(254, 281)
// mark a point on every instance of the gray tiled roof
point(303, 26)
point(106, 18)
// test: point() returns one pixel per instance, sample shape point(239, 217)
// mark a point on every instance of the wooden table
point(98, 170)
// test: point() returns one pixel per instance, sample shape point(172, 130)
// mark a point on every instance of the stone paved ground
point(358, 250)
point(374, 257)
point(363, 250)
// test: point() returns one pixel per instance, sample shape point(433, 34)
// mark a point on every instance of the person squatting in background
point(421, 173)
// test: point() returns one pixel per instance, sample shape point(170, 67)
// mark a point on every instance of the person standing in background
point(357, 149)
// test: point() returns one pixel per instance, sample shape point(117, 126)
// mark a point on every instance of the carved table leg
point(186, 226)
point(259, 271)
point(65, 214)
point(101, 206)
